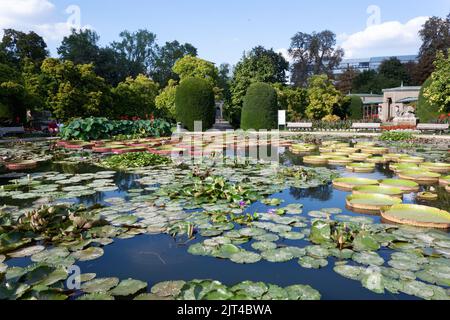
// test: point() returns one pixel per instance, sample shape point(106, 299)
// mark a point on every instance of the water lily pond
point(331, 220)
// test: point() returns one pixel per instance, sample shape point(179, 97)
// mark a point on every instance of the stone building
point(398, 103)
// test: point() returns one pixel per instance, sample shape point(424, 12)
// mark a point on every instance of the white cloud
point(35, 15)
point(388, 38)
point(285, 53)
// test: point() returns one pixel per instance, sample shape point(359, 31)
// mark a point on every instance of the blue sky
point(222, 30)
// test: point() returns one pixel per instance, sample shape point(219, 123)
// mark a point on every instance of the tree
point(438, 91)
point(18, 46)
point(139, 49)
point(74, 90)
point(12, 95)
point(193, 67)
point(165, 59)
point(260, 107)
point(165, 101)
point(258, 65)
point(393, 69)
point(435, 36)
point(356, 108)
point(135, 97)
point(81, 47)
point(370, 81)
point(292, 99)
point(346, 79)
point(223, 81)
point(324, 99)
point(194, 101)
point(313, 54)
point(426, 111)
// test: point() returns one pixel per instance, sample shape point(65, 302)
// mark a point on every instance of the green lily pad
point(245, 257)
point(26, 252)
point(419, 216)
point(350, 272)
point(302, 292)
point(365, 242)
point(371, 202)
point(368, 258)
point(128, 287)
point(96, 297)
point(88, 254)
point(277, 255)
point(264, 246)
point(252, 289)
point(168, 288)
point(101, 285)
point(308, 262)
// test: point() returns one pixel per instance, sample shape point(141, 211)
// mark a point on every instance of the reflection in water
point(322, 193)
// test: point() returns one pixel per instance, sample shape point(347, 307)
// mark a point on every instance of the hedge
point(426, 112)
point(260, 107)
point(194, 101)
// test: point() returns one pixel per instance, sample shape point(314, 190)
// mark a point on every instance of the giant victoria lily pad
point(404, 185)
point(420, 176)
point(416, 215)
point(348, 184)
point(436, 167)
point(316, 160)
point(389, 191)
point(371, 202)
point(361, 167)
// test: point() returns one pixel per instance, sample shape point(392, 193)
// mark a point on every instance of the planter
point(418, 216)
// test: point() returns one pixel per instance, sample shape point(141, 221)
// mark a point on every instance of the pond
point(273, 247)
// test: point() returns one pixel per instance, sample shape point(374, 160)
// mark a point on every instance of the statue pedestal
point(410, 121)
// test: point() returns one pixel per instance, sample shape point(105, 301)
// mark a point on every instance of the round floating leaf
point(292, 235)
point(419, 216)
point(128, 287)
point(389, 191)
point(245, 257)
point(368, 258)
point(301, 292)
point(371, 202)
point(308, 262)
point(350, 272)
point(101, 285)
point(26, 252)
point(278, 255)
point(252, 289)
point(168, 288)
point(88, 254)
point(349, 183)
point(96, 297)
point(264, 246)
point(365, 242)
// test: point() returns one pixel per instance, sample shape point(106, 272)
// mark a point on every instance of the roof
point(402, 89)
point(368, 103)
point(407, 100)
point(366, 95)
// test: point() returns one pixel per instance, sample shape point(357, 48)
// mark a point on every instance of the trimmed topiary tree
point(356, 108)
point(426, 112)
point(260, 107)
point(194, 101)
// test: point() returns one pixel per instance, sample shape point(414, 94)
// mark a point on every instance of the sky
point(223, 30)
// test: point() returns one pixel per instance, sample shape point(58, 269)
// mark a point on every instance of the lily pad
point(371, 202)
point(26, 252)
point(245, 257)
point(277, 255)
point(101, 285)
point(128, 287)
point(404, 185)
point(348, 184)
point(389, 191)
point(308, 262)
point(419, 216)
point(88, 254)
point(96, 297)
point(368, 258)
point(264, 246)
point(168, 288)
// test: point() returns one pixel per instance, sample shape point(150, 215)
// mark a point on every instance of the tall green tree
point(135, 97)
point(139, 48)
point(435, 36)
point(313, 54)
point(74, 90)
point(345, 80)
point(18, 46)
point(165, 59)
point(438, 92)
point(258, 65)
point(12, 95)
point(292, 99)
point(193, 67)
point(324, 99)
point(392, 68)
point(165, 101)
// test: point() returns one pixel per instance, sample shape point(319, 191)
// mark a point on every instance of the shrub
point(356, 108)
point(260, 107)
point(396, 136)
point(101, 128)
point(425, 110)
point(331, 118)
point(194, 101)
